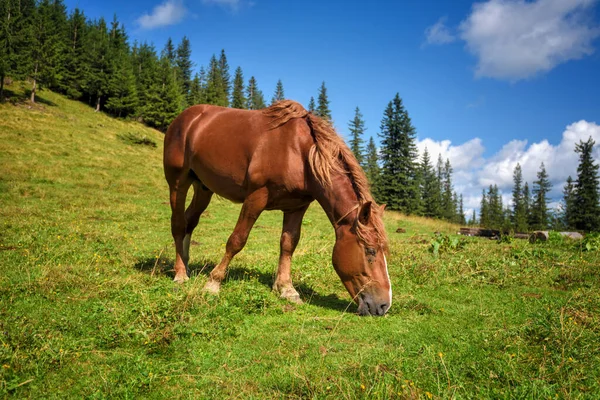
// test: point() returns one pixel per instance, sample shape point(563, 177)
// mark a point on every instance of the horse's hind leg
point(290, 235)
point(253, 206)
point(200, 201)
point(178, 188)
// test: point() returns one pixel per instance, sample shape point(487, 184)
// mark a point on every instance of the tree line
point(399, 177)
point(93, 61)
point(579, 208)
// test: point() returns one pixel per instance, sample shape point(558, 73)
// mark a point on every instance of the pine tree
point(16, 39)
point(97, 59)
point(169, 52)
point(527, 203)
point(495, 210)
point(225, 77)
point(372, 168)
point(255, 99)
point(448, 206)
point(473, 220)
point(215, 86)
point(195, 90)
point(462, 219)
point(430, 187)
point(568, 204)
point(311, 105)
point(184, 68)
point(46, 46)
point(146, 71)
point(75, 65)
point(357, 129)
point(539, 211)
point(238, 100)
point(398, 184)
point(519, 216)
point(164, 97)
point(279, 94)
point(122, 91)
point(587, 189)
point(323, 104)
point(484, 217)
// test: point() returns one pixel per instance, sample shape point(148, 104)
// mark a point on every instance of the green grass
point(88, 308)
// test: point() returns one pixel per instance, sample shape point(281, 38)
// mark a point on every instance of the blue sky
point(487, 84)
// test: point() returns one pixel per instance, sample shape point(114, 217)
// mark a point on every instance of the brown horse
point(279, 158)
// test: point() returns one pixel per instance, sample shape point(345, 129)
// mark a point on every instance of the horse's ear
point(364, 213)
point(382, 208)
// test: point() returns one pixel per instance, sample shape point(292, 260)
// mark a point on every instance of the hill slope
point(89, 309)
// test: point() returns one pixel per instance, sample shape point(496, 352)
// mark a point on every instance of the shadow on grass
point(15, 98)
point(308, 295)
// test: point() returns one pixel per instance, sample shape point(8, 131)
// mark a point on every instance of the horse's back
point(234, 151)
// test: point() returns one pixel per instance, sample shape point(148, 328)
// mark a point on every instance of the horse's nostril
point(383, 307)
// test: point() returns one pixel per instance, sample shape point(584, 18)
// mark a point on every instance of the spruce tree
point(195, 90)
point(539, 210)
point(98, 62)
point(215, 86)
point(398, 184)
point(255, 99)
point(568, 204)
point(225, 77)
point(122, 91)
point(146, 71)
point(587, 189)
point(279, 94)
point(75, 65)
point(448, 205)
point(462, 219)
point(484, 217)
point(238, 100)
point(372, 168)
point(519, 216)
point(527, 203)
point(311, 105)
point(184, 68)
point(46, 46)
point(323, 104)
point(169, 52)
point(430, 187)
point(357, 129)
point(16, 39)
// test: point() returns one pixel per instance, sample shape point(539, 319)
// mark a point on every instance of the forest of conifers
point(93, 61)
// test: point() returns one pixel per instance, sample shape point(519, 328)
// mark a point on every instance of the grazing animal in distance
point(279, 158)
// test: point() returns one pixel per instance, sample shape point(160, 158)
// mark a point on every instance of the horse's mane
point(330, 154)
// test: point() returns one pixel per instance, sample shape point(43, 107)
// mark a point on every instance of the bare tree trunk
point(1, 88)
point(98, 104)
point(34, 83)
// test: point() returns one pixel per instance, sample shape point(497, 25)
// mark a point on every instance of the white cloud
point(473, 172)
point(233, 5)
point(168, 13)
point(517, 39)
point(439, 33)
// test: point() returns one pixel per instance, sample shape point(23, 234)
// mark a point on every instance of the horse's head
point(362, 267)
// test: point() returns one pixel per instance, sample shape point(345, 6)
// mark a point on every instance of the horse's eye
point(370, 251)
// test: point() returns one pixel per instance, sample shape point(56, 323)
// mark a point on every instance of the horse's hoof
point(291, 295)
point(212, 287)
point(180, 279)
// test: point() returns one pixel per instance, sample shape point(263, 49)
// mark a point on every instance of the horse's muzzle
point(367, 305)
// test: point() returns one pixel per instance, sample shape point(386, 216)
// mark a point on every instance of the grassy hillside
point(88, 308)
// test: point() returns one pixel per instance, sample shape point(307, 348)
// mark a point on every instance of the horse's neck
point(339, 200)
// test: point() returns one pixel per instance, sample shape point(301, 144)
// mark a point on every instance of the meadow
point(88, 308)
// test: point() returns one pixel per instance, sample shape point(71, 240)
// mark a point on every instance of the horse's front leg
point(290, 235)
point(253, 206)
